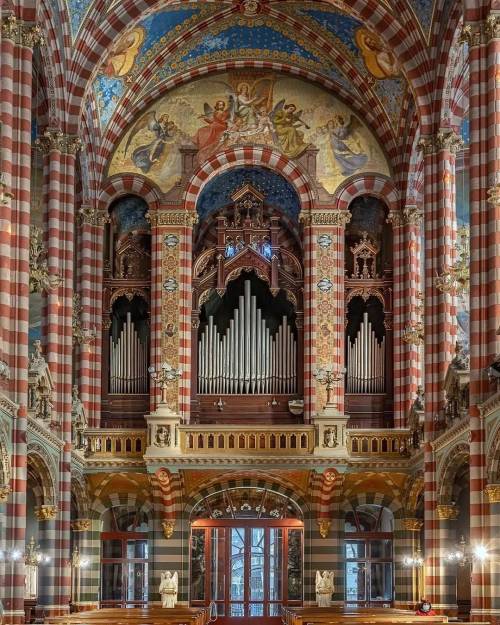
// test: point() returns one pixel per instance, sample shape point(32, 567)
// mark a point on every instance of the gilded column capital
point(492, 491)
point(472, 34)
point(492, 26)
point(25, 34)
point(81, 525)
point(172, 218)
point(447, 512)
point(5, 491)
point(444, 139)
point(494, 195)
point(412, 525)
point(410, 215)
point(324, 526)
point(90, 215)
point(334, 217)
point(58, 141)
point(46, 512)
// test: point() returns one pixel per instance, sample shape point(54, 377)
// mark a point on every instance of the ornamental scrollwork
point(56, 140)
point(41, 278)
point(327, 218)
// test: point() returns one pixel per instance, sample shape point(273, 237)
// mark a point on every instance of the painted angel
point(346, 144)
point(208, 137)
point(287, 121)
point(245, 101)
point(168, 589)
point(145, 156)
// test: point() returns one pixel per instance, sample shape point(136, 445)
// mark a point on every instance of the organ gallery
point(249, 320)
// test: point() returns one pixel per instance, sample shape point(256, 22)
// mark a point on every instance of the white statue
point(324, 588)
point(168, 589)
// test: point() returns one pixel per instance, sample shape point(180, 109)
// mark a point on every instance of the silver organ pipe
point(128, 359)
point(366, 361)
point(247, 359)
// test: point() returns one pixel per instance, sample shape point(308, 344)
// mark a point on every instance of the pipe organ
point(247, 359)
point(128, 361)
point(366, 361)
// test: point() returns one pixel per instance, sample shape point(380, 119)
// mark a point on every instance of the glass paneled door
point(248, 568)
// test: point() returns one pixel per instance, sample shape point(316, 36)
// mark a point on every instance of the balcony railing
point(115, 443)
point(372, 442)
point(235, 440)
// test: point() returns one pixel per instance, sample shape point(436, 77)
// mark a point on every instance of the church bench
point(339, 615)
point(136, 616)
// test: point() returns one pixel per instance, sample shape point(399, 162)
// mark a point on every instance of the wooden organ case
point(247, 317)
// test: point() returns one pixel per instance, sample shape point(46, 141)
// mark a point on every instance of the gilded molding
point(22, 33)
point(492, 491)
point(494, 195)
point(46, 512)
point(5, 491)
point(172, 218)
point(492, 27)
point(56, 140)
point(168, 528)
point(328, 218)
point(447, 512)
point(412, 525)
point(324, 527)
point(92, 216)
point(409, 216)
point(442, 140)
point(81, 525)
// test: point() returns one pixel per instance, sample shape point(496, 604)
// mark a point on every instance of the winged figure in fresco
point(287, 121)
point(346, 144)
point(163, 130)
point(208, 137)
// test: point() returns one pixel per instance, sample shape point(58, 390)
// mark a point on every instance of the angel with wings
point(208, 137)
point(163, 129)
point(168, 589)
point(287, 121)
point(346, 144)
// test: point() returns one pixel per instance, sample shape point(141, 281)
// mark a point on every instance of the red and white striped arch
point(367, 184)
point(123, 184)
point(245, 156)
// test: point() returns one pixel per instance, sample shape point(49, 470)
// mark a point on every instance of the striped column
point(439, 323)
point(447, 535)
point(47, 574)
point(484, 114)
point(83, 539)
point(90, 277)
point(492, 492)
point(408, 579)
point(406, 279)
point(18, 39)
point(90, 547)
point(324, 303)
point(172, 236)
point(61, 150)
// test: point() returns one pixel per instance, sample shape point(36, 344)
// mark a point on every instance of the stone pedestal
point(331, 432)
point(163, 432)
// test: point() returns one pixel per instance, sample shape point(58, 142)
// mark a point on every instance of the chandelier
point(455, 279)
point(462, 554)
point(413, 334)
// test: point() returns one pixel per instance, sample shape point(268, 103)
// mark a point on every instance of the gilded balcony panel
point(112, 443)
point(361, 442)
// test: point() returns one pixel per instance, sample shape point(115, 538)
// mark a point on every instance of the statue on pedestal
point(324, 588)
point(168, 589)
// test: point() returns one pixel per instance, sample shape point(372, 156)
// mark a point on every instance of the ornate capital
point(46, 512)
point(324, 527)
point(4, 493)
point(492, 491)
point(412, 525)
point(27, 35)
point(447, 512)
point(172, 218)
point(410, 215)
point(81, 525)
point(327, 218)
point(494, 195)
point(56, 140)
point(168, 528)
point(92, 216)
point(444, 140)
point(492, 26)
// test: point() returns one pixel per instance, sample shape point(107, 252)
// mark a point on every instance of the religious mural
point(237, 108)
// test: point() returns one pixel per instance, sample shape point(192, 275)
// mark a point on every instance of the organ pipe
point(128, 361)
point(247, 359)
point(366, 361)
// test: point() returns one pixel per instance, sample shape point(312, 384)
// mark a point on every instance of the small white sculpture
point(168, 589)
point(324, 588)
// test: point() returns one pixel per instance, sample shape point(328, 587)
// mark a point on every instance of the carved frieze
point(81, 525)
point(55, 140)
point(326, 218)
point(172, 218)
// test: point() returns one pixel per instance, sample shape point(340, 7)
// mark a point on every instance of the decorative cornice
point(447, 512)
point(46, 512)
point(22, 33)
point(168, 528)
point(460, 428)
point(443, 140)
point(56, 140)
point(37, 426)
point(324, 527)
point(5, 492)
point(92, 216)
point(327, 218)
point(172, 218)
point(7, 406)
point(412, 525)
point(492, 491)
point(81, 525)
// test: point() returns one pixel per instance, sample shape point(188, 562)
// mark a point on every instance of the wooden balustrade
point(372, 442)
point(116, 443)
point(235, 440)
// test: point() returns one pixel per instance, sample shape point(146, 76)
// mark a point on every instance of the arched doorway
point(246, 554)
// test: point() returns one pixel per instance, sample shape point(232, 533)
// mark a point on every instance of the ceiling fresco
point(423, 10)
point(244, 106)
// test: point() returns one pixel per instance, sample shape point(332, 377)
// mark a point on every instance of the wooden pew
point(135, 616)
point(338, 615)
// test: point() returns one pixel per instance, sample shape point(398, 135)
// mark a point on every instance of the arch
point(129, 184)
point(42, 474)
point(250, 155)
point(80, 493)
point(455, 458)
point(377, 185)
point(493, 457)
point(380, 499)
point(413, 489)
